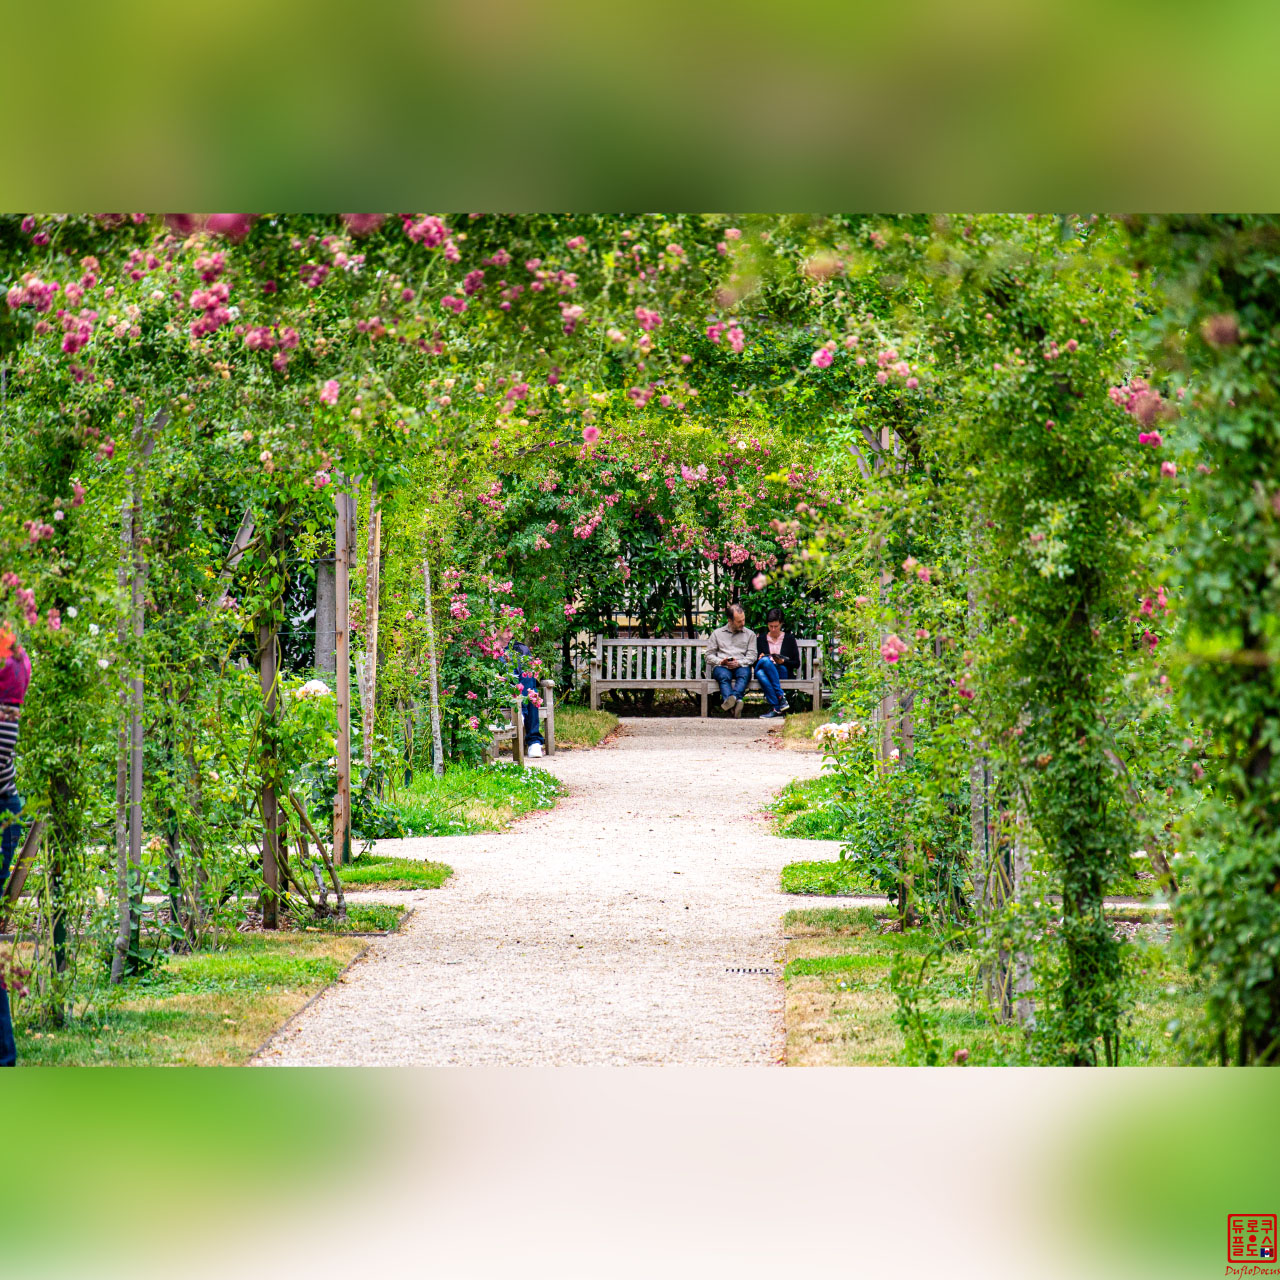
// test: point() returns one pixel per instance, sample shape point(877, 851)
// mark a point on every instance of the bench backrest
point(659, 660)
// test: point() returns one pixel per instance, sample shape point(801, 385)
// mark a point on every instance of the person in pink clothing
point(15, 676)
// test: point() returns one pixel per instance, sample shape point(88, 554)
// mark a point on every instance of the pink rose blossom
point(329, 392)
point(892, 648)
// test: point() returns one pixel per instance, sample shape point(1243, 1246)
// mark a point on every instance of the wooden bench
point(678, 664)
point(513, 727)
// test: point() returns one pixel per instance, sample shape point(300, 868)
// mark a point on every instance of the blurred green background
point(988, 1173)
point(1140, 1184)
point(498, 105)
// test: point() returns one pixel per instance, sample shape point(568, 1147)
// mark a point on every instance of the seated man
point(779, 659)
point(730, 653)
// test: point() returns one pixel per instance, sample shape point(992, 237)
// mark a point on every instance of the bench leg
point(595, 696)
point(704, 701)
point(517, 739)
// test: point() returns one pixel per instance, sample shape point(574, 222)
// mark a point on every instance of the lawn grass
point(840, 1007)
point(796, 731)
point(809, 809)
point(372, 871)
point(473, 798)
point(211, 1008)
point(833, 878)
point(582, 727)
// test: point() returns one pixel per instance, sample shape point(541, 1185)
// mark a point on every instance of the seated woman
point(778, 659)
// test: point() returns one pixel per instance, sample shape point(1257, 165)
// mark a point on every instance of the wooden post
point(342, 647)
point(373, 566)
point(437, 746)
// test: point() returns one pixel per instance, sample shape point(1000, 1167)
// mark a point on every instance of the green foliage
point(1214, 343)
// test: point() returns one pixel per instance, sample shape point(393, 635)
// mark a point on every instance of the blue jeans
point(10, 804)
point(770, 674)
point(11, 837)
point(8, 1046)
point(530, 713)
point(734, 681)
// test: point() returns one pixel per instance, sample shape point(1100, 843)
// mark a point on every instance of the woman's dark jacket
point(790, 655)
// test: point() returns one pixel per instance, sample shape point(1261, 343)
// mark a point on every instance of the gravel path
point(605, 931)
